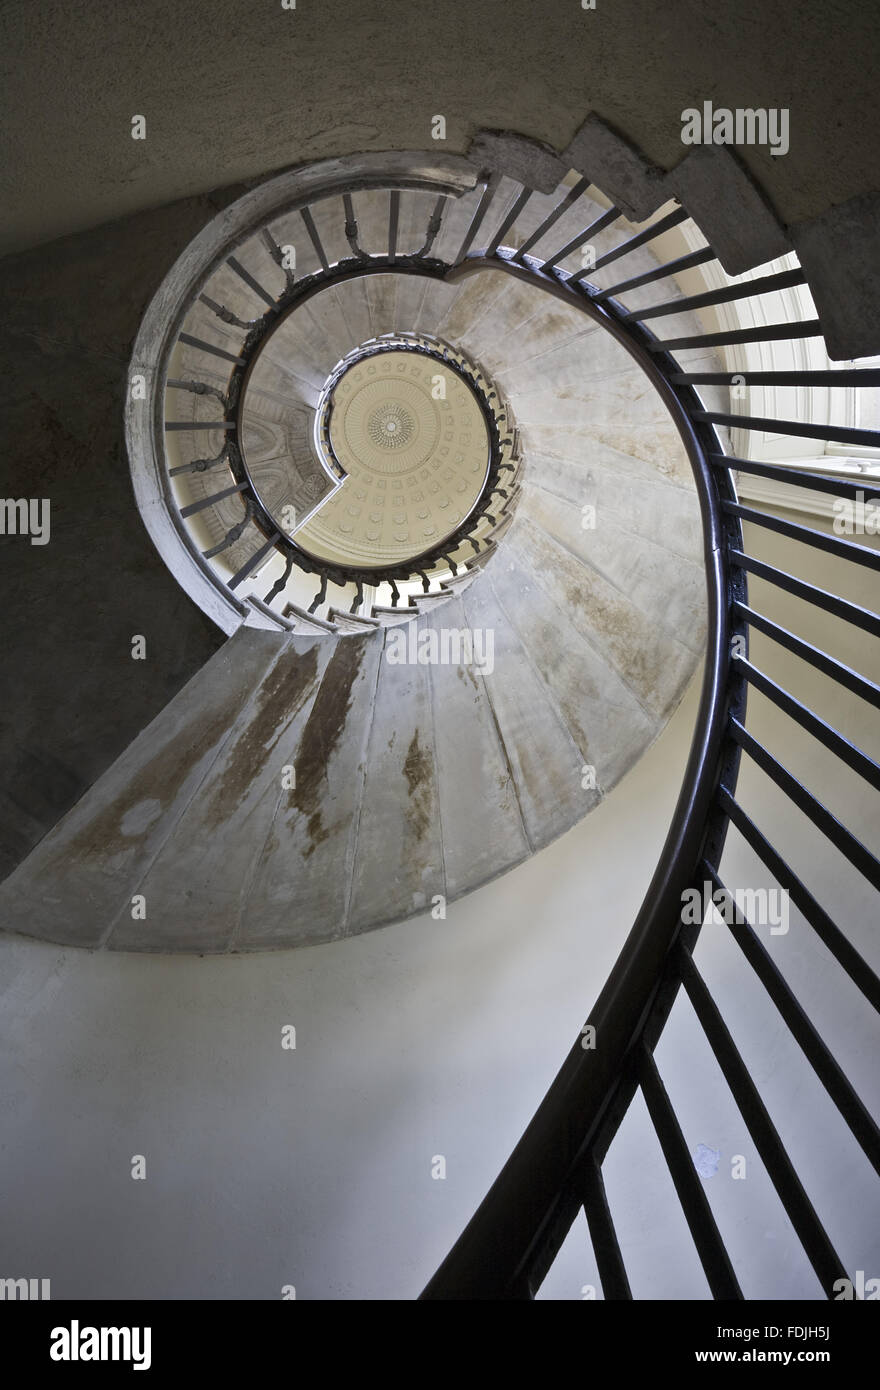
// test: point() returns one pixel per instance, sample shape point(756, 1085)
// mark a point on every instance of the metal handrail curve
point(530, 1197)
point(555, 1169)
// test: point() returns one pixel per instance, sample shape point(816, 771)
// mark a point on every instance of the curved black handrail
point(556, 1167)
point(532, 1197)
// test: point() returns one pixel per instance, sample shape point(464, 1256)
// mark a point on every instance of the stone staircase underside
point(412, 780)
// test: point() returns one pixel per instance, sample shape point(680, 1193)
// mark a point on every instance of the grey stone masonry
point(729, 209)
point(840, 251)
point(622, 172)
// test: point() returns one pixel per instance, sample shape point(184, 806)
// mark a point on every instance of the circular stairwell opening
point(292, 467)
point(410, 437)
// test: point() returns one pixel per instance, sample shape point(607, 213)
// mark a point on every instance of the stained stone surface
point(302, 788)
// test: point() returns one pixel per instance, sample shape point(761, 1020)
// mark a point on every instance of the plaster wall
point(231, 91)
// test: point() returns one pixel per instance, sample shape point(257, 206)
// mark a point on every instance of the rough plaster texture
point(532, 164)
point(230, 91)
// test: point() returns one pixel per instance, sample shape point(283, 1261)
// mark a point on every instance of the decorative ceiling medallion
point(385, 424)
point(391, 426)
point(392, 418)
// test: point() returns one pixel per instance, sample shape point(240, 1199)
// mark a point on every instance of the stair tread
point(301, 878)
point(667, 588)
point(606, 721)
point(198, 880)
point(482, 826)
point(352, 621)
point(647, 658)
point(84, 872)
point(396, 874)
point(545, 761)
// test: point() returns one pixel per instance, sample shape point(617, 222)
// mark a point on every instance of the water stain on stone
point(557, 323)
point(161, 779)
point(321, 735)
point(467, 673)
point(623, 629)
point(418, 771)
point(283, 692)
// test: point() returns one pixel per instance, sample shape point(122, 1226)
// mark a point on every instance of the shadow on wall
point(72, 694)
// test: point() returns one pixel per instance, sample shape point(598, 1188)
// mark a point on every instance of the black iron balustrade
point(556, 1169)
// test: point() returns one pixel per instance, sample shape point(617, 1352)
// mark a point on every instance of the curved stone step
point(603, 716)
point(480, 818)
point(298, 877)
point(79, 879)
point(653, 665)
point(545, 762)
point(304, 349)
point(381, 296)
point(351, 297)
point(669, 589)
point(398, 862)
point(634, 494)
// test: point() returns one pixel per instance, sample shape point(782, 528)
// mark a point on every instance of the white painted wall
point(267, 1167)
point(312, 1167)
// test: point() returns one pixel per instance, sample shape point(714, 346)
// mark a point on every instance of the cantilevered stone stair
point(411, 780)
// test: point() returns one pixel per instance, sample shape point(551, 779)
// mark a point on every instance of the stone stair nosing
point(351, 622)
point(399, 875)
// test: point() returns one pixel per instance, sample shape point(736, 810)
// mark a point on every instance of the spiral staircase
point(424, 778)
point(318, 778)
